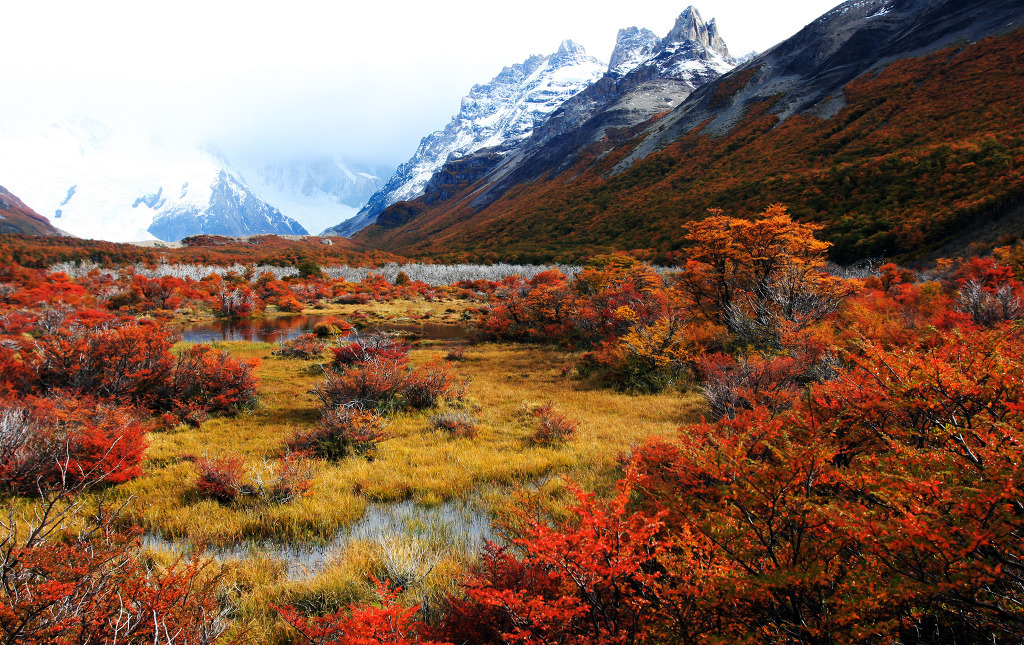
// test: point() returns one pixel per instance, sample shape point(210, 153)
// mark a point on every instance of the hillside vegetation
point(920, 153)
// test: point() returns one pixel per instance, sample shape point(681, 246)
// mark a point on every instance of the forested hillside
point(918, 155)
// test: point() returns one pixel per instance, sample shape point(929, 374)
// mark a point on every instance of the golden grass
point(417, 463)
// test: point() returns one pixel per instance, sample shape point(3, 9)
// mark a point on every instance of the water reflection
point(456, 526)
point(277, 328)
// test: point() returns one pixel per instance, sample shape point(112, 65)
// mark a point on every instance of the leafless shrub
point(989, 307)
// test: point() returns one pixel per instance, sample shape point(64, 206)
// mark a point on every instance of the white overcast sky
point(363, 80)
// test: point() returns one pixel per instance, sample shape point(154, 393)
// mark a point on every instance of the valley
point(688, 346)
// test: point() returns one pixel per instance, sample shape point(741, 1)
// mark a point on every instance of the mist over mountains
point(564, 153)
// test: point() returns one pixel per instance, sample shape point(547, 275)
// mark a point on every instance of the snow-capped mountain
point(318, 192)
point(95, 182)
point(647, 77)
point(633, 47)
point(231, 209)
point(497, 115)
point(693, 51)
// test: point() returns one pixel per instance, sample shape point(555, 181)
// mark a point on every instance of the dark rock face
point(232, 211)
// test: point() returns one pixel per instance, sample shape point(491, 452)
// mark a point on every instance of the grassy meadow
point(413, 511)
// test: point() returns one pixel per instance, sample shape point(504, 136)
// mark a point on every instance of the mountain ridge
point(650, 75)
point(495, 115)
point(631, 188)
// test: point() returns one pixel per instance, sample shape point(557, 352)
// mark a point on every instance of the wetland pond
point(274, 329)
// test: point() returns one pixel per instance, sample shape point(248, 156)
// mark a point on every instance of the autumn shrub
point(385, 622)
point(70, 573)
point(331, 327)
point(343, 431)
point(732, 384)
point(600, 575)
point(882, 506)
point(213, 379)
point(290, 304)
point(455, 354)
point(377, 383)
point(366, 348)
point(124, 360)
point(457, 424)
point(238, 302)
point(551, 427)
point(352, 299)
point(112, 358)
point(760, 277)
point(386, 382)
point(304, 346)
point(226, 480)
point(282, 480)
point(220, 478)
point(988, 307)
point(430, 384)
point(96, 588)
point(67, 440)
point(652, 357)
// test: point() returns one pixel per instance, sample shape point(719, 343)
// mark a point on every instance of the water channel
point(274, 329)
point(455, 526)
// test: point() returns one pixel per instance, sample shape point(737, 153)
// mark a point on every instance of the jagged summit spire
point(632, 46)
point(569, 47)
point(690, 27)
point(715, 39)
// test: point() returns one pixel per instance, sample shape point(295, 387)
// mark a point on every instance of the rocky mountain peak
point(691, 28)
point(715, 41)
point(570, 48)
point(495, 115)
point(633, 46)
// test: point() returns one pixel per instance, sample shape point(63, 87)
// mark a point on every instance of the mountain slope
point(16, 217)
point(649, 76)
point(851, 122)
point(691, 55)
point(495, 115)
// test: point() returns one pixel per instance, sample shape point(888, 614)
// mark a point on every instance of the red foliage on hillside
point(17, 218)
point(922, 152)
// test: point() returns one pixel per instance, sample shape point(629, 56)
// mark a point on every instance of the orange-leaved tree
point(762, 277)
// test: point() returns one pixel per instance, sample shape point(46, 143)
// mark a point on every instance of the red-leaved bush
point(387, 383)
point(226, 480)
point(390, 623)
point(124, 360)
point(371, 347)
point(220, 478)
point(597, 577)
point(342, 432)
point(67, 440)
point(551, 427)
point(304, 346)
